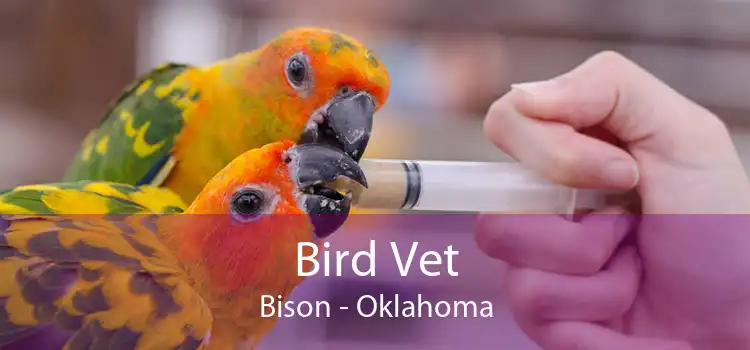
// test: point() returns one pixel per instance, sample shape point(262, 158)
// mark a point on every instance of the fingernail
point(622, 171)
point(535, 87)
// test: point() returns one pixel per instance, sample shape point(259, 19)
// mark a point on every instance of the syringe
point(468, 187)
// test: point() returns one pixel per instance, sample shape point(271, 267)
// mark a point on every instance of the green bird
point(179, 125)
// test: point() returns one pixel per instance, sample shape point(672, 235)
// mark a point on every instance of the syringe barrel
point(467, 187)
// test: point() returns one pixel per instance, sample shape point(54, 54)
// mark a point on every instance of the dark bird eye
point(296, 71)
point(345, 91)
point(247, 203)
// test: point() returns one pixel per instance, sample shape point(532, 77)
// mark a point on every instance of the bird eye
point(345, 90)
point(296, 71)
point(247, 203)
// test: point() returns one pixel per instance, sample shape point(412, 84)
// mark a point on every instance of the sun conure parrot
point(178, 125)
point(191, 280)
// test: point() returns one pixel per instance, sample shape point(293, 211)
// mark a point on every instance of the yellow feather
point(104, 188)
point(140, 146)
point(19, 311)
point(6, 208)
point(157, 199)
point(144, 87)
point(75, 202)
point(101, 145)
point(41, 188)
point(88, 146)
point(131, 309)
point(127, 117)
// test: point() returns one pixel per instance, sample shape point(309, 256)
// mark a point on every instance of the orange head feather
point(334, 61)
point(287, 89)
point(244, 227)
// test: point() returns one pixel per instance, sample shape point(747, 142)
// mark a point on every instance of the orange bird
point(178, 125)
point(194, 280)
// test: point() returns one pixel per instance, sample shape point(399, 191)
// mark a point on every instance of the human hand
point(583, 285)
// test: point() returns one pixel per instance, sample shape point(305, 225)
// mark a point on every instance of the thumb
point(540, 124)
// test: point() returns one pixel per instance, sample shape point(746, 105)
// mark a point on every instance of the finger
point(557, 151)
point(609, 91)
point(539, 296)
point(614, 92)
point(588, 336)
point(551, 243)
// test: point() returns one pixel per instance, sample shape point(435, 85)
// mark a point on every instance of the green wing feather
point(136, 134)
point(89, 197)
point(107, 278)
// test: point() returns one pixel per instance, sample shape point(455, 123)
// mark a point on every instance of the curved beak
point(311, 166)
point(344, 123)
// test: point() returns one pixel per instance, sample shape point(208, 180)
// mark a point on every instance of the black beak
point(346, 124)
point(311, 166)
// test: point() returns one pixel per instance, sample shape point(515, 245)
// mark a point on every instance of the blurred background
point(65, 60)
